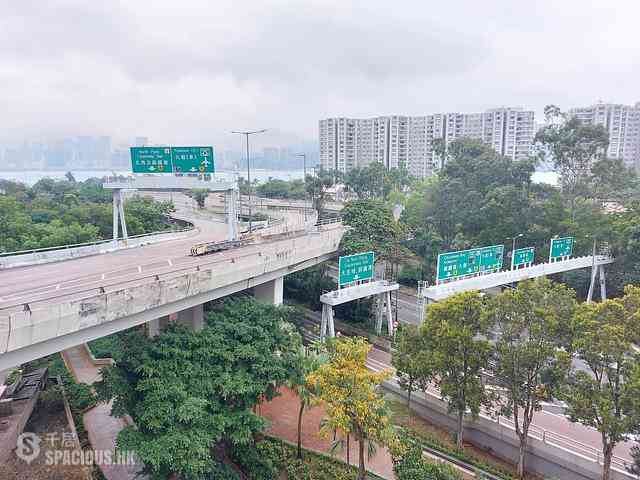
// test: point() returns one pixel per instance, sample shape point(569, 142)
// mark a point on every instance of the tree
point(367, 182)
point(530, 363)
point(607, 397)
point(479, 196)
point(406, 358)
point(318, 189)
point(309, 360)
point(456, 350)
point(348, 390)
point(372, 228)
point(199, 195)
point(574, 147)
point(191, 394)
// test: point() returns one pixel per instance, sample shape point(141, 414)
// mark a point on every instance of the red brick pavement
point(282, 412)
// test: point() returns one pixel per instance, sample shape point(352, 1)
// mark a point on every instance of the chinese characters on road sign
point(354, 268)
point(172, 160)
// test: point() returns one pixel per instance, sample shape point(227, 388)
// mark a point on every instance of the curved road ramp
point(40, 317)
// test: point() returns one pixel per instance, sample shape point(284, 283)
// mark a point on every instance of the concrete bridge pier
point(270, 292)
point(192, 318)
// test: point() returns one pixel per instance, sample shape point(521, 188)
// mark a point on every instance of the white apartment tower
point(400, 141)
point(623, 124)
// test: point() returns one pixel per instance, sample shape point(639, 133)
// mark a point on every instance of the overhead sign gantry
point(176, 160)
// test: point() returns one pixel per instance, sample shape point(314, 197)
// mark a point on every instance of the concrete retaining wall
point(544, 457)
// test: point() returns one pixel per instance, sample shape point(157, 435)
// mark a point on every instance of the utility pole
point(304, 173)
point(246, 135)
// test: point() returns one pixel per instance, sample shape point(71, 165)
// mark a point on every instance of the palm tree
point(311, 358)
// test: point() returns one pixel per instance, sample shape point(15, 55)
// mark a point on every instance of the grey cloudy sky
point(192, 70)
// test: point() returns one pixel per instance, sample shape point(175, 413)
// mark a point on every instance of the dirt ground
point(50, 426)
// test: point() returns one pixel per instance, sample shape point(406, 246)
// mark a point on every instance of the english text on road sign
point(354, 268)
point(193, 159)
point(185, 160)
point(151, 160)
point(469, 262)
point(561, 247)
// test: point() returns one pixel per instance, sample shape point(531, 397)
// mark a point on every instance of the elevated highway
point(48, 308)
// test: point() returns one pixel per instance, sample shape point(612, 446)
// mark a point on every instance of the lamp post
point(513, 248)
point(304, 176)
point(246, 135)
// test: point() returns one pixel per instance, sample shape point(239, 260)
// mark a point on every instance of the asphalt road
point(39, 283)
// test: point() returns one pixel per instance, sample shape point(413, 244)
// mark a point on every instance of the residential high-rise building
point(400, 141)
point(623, 124)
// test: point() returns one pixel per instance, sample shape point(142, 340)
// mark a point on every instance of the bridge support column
point(384, 308)
point(603, 284)
point(270, 292)
point(389, 315)
point(192, 318)
point(379, 313)
point(154, 327)
point(327, 327)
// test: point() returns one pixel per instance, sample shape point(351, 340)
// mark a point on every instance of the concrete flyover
point(49, 308)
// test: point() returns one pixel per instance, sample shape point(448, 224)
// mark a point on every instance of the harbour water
point(29, 177)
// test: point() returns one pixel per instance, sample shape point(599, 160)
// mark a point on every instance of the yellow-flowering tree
point(348, 390)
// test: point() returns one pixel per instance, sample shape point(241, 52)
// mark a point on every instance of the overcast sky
point(190, 71)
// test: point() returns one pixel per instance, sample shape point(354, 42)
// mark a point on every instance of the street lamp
point(513, 248)
point(304, 176)
point(246, 135)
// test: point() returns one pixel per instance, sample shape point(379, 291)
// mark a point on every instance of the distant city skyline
point(102, 153)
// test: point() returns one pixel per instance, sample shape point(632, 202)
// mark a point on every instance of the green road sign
point(561, 247)
point(354, 268)
point(192, 159)
point(522, 256)
point(172, 160)
point(151, 160)
point(469, 262)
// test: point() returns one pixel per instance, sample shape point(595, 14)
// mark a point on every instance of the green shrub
point(51, 399)
point(431, 441)
point(413, 466)
point(257, 462)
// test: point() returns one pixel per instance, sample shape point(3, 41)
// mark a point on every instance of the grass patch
point(426, 435)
